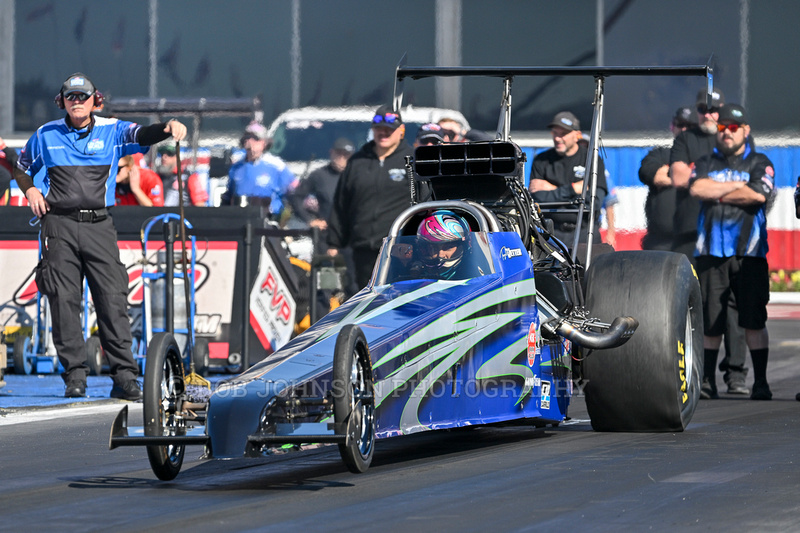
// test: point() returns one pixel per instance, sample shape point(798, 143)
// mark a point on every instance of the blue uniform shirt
point(268, 177)
point(728, 230)
point(80, 165)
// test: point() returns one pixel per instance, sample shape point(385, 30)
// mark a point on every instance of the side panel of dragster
point(445, 354)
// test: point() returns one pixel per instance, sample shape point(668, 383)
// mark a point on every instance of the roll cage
point(481, 158)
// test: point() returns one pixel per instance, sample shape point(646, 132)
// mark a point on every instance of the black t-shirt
point(688, 147)
point(563, 171)
point(659, 208)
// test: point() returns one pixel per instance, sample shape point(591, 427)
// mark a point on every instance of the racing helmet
point(442, 230)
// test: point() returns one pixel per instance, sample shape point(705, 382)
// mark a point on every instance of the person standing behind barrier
point(80, 155)
point(261, 177)
point(312, 200)
point(8, 160)
point(137, 185)
point(557, 175)
point(659, 208)
point(736, 186)
point(194, 193)
point(371, 193)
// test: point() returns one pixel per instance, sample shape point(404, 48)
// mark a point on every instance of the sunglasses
point(388, 118)
point(77, 97)
point(704, 109)
point(732, 127)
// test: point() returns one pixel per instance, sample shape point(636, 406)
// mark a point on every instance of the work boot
point(75, 389)
point(130, 390)
point(761, 391)
point(708, 390)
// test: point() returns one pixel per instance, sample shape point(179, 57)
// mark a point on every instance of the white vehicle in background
point(303, 136)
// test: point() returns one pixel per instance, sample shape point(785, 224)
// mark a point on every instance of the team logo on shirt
point(579, 171)
point(95, 145)
point(769, 178)
point(397, 174)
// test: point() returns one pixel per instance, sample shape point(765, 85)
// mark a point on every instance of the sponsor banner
point(272, 307)
point(214, 282)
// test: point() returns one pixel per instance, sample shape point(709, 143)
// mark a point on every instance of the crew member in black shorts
point(736, 185)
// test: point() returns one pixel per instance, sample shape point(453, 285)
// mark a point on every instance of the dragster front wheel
point(164, 390)
point(94, 356)
point(353, 398)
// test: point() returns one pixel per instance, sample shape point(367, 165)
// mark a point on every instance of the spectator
point(8, 160)
point(372, 191)
point(455, 132)
point(137, 185)
point(261, 177)
point(194, 193)
point(79, 155)
point(430, 133)
point(736, 185)
point(557, 175)
point(659, 208)
point(312, 200)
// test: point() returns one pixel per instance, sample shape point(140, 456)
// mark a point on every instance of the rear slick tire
point(652, 382)
point(164, 389)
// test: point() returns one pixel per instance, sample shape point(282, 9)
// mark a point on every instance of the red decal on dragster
point(278, 299)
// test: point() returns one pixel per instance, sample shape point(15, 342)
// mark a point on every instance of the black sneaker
point(130, 391)
point(761, 391)
point(708, 391)
point(75, 389)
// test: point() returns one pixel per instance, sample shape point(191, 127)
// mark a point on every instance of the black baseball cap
point(732, 114)
point(684, 117)
point(717, 98)
point(78, 83)
point(565, 120)
point(387, 117)
point(430, 133)
point(343, 144)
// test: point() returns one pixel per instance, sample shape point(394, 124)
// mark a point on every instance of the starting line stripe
point(23, 416)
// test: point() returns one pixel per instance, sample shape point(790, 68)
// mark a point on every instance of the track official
point(79, 155)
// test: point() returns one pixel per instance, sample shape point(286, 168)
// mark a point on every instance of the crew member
point(80, 154)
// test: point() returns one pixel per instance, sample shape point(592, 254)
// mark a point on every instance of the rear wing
point(507, 74)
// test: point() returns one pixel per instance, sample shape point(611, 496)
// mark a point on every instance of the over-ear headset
point(98, 99)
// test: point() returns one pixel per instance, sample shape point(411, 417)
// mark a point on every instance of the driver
point(442, 241)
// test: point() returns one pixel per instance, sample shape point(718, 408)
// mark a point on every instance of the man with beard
point(735, 185)
point(557, 175)
point(687, 148)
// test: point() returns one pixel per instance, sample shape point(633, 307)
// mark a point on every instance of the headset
point(98, 99)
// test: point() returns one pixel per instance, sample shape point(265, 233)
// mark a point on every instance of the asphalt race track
point(736, 468)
